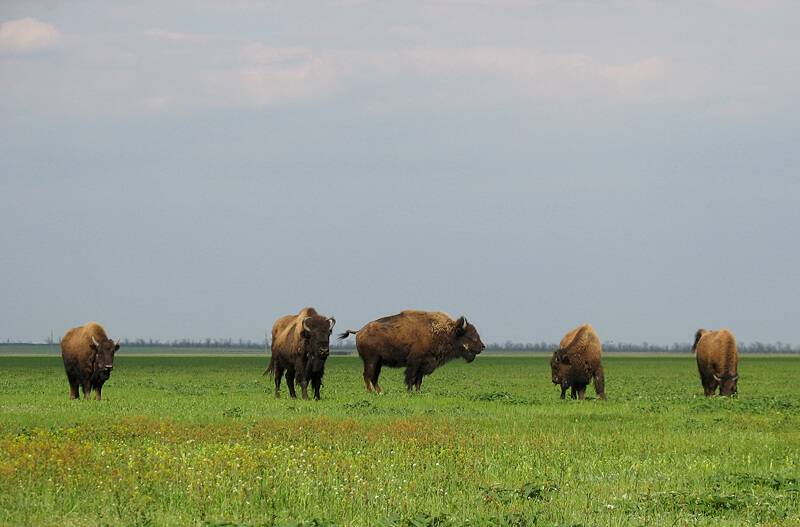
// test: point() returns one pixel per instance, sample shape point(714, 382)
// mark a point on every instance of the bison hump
point(93, 329)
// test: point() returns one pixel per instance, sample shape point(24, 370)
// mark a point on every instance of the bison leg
point(375, 376)
point(418, 382)
point(370, 376)
point(564, 391)
point(582, 392)
point(290, 382)
point(412, 372)
point(73, 387)
point(278, 377)
point(600, 384)
point(97, 389)
point(573, 393)
point(87, 389)
point(304, 386)
point(709, 385)
point(316, 383)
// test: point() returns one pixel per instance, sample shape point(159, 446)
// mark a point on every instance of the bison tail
point(697, 339)
point(271, 368)
point(346, 334)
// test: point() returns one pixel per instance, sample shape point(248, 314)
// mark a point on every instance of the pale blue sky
point(192, 169)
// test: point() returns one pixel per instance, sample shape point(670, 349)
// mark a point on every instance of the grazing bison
point(419, 340)
point(717, 361)
point(577, 361)
point(88, 358)
point(300, 345)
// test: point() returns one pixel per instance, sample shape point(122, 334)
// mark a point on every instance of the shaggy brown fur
point(300, 346)
point(577, 361)
point(419, 340)
point(717, 361)
point(88, 358)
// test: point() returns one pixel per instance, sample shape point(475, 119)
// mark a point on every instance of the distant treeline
point(506, 347)
point(645, 347)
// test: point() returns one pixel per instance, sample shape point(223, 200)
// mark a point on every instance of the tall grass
point(202, 441)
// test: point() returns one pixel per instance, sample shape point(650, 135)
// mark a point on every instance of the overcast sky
point(197, 168)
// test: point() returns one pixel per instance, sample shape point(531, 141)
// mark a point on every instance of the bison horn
point(94, 341)
point(332, 322)
point(717, 378)
point(305, 327)
point(735, 377)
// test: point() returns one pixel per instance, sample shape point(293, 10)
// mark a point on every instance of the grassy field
point(201, 441)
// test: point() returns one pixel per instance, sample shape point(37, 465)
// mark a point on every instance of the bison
point(717, 361)
point(419, 340)
point(88, 358)
point(300, 345)
point(577, 361)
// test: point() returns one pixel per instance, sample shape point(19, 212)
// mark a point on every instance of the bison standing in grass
point(88, 358)
point(717, 361)
point(419, 340)
point(577, 361)
point(300, 346)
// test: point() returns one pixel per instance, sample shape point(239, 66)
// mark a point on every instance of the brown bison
point(88, 358)
point(419, 340)
point(577, 361)
point(717, 361)
point(300, 345)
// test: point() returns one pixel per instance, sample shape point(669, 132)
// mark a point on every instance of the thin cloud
point(27, 35)
point(158, 70)
point(160, 34)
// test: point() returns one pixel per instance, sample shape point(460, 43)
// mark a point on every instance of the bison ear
point(305, 333)
point(461, 326)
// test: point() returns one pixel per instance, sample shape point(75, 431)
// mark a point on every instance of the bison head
point(559, 366)
point(468, 342)
point(727, 384)
point(104, 356)
point(316, 333)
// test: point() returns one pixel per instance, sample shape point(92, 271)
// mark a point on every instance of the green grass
point(201, 441)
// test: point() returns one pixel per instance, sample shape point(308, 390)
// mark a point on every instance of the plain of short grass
point(202, 441)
